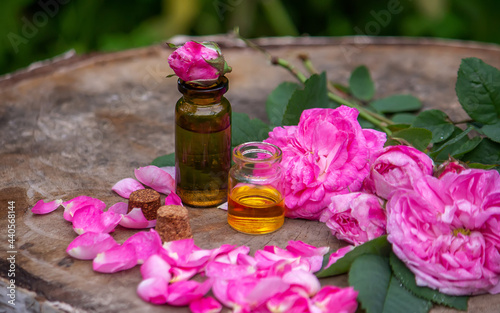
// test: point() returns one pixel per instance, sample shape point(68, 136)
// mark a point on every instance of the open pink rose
point(327, 154)
point(397, 167)
point(446, 231)
point(198, 63)
point(355, 217)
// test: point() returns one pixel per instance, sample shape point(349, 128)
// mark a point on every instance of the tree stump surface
point(77, 126)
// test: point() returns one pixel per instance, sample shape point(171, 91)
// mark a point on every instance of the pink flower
point(450, 165)
point(355, 217)
point(397, 167)
point(327, 154)
point(198, 63)
point(446, 231)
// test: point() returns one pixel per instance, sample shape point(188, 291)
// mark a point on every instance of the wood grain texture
point(78, 125)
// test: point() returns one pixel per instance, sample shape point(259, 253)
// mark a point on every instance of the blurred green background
point(33, 30)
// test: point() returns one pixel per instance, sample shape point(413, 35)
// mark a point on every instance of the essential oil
point(202, 145)
point(255, 209)
point(255, 202)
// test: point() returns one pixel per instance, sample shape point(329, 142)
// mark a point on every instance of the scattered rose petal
point(184, 253)
point(116, 259)
point(153, 290)
point(223, 206)
point(289, 302)
point(313, 254)
point(145, 243)
point(135, 219)
point(126, 186)
point(183, 292)
point(305, 280)
point(173, 199)
point(43, 208)
point(89, 218)
point(156, 266)
point(119, 208)
point(205, 305)
point(337, 255)
point(264, 289)
point(228, 271)
point(155, 178)
point(89, 244)
point(183, 274)
point(335, 299)
point(169, 169)
point(73, 205)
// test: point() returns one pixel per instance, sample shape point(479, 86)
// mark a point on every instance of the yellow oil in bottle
point(255, 209)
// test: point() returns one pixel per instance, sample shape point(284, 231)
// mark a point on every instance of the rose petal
point(73, 205)
point(89, 218)
point(43, 208)
point(266, 288)
point(89, 244)
point(303, 279)
point(119, 208)
point(337, 255)
point(335, 299)
point(228, 271)
point(183, 274)
point(169, 169)
point(145, 243)
point(126, 186)
point(116, 259)
point(135, 219)
point(312, 254)
point(205, 305)
point(173, 199)
point(156, 266)
point(183, 292)
point(153, 290)
point(155, 178)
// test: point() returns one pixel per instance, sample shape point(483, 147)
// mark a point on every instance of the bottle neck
point(200, 95)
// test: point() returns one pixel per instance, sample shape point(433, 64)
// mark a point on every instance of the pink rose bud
point(397, 167)
point(198, 63)
point(450, 166)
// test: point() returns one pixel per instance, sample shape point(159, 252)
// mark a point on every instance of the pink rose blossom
point(355, 217)
point(198, 63)
point(446, 231)
point(397, 167)
point(450, 165)
point(327, 154)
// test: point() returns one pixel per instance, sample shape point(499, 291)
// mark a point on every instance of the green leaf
point(407, 278)
point(398, 127)
point(403, 118)
point(419, 138)
point(244, 129)
point(437, 122)
point(164, 160)
point(492, 131)
point(361, 83)
point(457, 146)
point(277, 102)
point(487, 152)
point(478, 90)
point(397, 104)
point(379, 246)
point(314, 95)
point(379, 291)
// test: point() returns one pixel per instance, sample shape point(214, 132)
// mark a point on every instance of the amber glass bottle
point(202, 144)
point(255, 202)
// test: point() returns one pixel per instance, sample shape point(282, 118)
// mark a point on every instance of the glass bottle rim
point(247, 152)
point(220, 86)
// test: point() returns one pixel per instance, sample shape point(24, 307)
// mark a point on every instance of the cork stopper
point(146, 199)
point(172, 223)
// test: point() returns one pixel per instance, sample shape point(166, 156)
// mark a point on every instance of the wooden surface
point(76, 126)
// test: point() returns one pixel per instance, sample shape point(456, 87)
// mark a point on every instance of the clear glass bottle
point(256, 204)
point(202, 144)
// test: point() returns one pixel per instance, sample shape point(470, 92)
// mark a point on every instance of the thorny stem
point(376, 119)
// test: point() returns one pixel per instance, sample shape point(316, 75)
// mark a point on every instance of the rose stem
point(367, 115)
